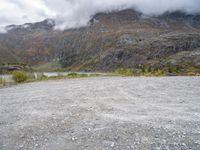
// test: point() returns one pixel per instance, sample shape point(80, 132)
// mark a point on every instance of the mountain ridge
point(122, 39)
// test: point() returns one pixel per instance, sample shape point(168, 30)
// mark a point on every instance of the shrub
point(77, 75)
point(73, 74)
point(159, 73)
point(193, 74)
point(149, 69)
point(43, 77)
point(83, 75)
point(19, 76)
point(124, 71)
point(2, 81)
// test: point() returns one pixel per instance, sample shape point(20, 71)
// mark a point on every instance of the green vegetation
point(76, 75)
point(69, 76)
point(15, 64)
point(19, 76)
point(124, 72)
point(151, 71)
point(168, 70)
point(2, 82)
point(43, 77)
point(158, 73)
point(140, 71)
point(193, 74)
point(73, 75)
point(146, 71)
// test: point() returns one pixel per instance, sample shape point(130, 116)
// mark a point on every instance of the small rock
point(183, 144)
point(22, 136)
point(112, 144)
point(34, 139)
point(116, 138)
point(74, 138)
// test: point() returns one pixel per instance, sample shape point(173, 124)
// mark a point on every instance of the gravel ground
point(102, 113)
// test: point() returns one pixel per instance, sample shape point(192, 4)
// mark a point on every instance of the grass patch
point(70, 76)
point(124, 72)
point(73, 75)
point(142, 71)
point(154, 73)
point(2, 81)
point(193, 74)
point(19, 76)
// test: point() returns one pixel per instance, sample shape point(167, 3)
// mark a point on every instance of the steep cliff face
point(113, 40)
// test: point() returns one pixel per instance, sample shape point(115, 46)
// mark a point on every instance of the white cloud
point(75, 13)
point(22, 11)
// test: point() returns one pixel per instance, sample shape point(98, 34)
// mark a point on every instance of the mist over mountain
point(77, 13)
point(119, 39)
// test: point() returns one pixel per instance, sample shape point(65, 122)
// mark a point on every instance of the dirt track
point(102, 113)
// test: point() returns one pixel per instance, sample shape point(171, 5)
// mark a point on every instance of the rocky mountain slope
point(123, 39)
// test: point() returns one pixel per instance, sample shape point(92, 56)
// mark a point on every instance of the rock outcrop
point(111, 40)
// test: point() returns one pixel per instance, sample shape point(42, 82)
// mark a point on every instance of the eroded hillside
point(124, 39)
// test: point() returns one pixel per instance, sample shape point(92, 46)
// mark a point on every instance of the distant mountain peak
point(43, 26)
point(112, 40)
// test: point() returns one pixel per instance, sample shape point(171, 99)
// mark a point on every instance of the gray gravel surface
point(102, 113)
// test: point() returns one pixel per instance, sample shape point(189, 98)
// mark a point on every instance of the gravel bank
point(102, 113)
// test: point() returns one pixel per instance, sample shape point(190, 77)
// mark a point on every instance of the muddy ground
point(102, 113)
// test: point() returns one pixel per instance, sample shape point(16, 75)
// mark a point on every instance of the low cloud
point(76, 13)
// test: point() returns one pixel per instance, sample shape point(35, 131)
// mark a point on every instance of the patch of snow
point(50, 22)
point(25, 26)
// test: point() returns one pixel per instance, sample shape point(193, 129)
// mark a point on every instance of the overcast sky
point(75, 13)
